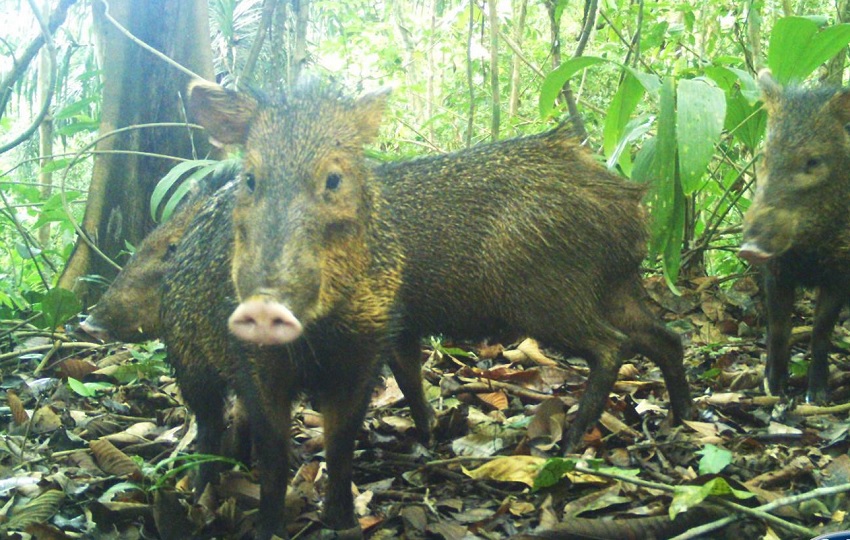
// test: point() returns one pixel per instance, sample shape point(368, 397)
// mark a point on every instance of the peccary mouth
point(753, 254)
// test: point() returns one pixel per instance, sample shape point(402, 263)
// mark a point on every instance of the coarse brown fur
point(528, 236)
point(799, 221)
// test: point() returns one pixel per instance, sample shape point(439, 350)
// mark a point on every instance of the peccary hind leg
point(407, 368)
point(604, 362)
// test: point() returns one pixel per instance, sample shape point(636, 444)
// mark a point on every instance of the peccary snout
point(264, 321)
point(753, 254)
point(92, 328)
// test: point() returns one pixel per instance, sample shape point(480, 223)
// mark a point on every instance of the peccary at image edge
point(798, 225)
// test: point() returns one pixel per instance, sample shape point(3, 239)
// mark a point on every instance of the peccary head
point(803, 193)
point(303, 207)
point(129, 309)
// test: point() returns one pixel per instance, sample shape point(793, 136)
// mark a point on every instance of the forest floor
point(95, 442)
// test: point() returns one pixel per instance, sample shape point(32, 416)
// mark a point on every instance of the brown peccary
point(131, 310)
point(798, 225)
point(524, 237)
point(317, 269)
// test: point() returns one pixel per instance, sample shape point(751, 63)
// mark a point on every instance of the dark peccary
point(798, 225)
point(131, 310)
point(318, 266)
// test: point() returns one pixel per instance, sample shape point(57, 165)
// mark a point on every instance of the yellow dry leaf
point(509, 469)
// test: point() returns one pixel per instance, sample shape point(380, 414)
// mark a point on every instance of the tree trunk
point(519, 29)
point(494, 69)
point(45, 134)
point(835, 67)
point(138, 88)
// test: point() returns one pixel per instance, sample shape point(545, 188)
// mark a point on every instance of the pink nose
point(753, 254)
point(265, 322)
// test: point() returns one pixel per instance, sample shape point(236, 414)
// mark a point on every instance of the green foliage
point(686, 497)
point(90, 389)
point(150, 357)
point(201, 167)
point(57, 306)
point(714, 459)
point(798, 45)
point(557, 468)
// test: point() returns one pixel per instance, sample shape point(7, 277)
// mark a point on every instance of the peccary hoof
point(354, 533)
point(817, 395)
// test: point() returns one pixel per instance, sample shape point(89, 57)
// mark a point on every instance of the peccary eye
point(812, 163)
point(332, 182)
point(172, 247)
point(250, 182)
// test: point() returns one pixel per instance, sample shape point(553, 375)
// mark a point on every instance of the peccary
point(317, 267)
point(321, 276)
point(133, 307)
point(798, 224)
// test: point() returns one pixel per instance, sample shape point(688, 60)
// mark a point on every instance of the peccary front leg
point(829, 303)
point(271, 442)
point(780, 302)
point(205, 393)
point(343, 409)
point(407, 368)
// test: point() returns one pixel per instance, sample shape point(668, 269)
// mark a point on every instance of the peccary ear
point(770, 89)
point(838, 107)
point(368, 112)
point(225, 114)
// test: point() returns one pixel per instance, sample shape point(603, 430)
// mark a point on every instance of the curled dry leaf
point(497, 400)
point(45, 420)
point(19, 414)
point(113, 461)
point(76, 368)
point(629, 372)
point(38, 510)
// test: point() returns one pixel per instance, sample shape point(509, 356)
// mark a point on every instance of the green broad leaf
point(165, 184)
point(56, 165)
point(623, 104)
point(700, 115)
point(79, 388)
point(26, 251)
point(88, 390)
point(714, 459)
point(686, 497)
point(59, 305)
point(79, 126)
point(52, 209)
point(634, 131)
point(203, 171)
point(655, 164)
point(554, 81)
point(797, 48)
point(77, 108)
point(553, 471)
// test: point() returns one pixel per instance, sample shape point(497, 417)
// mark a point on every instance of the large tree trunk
point(138, 88)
